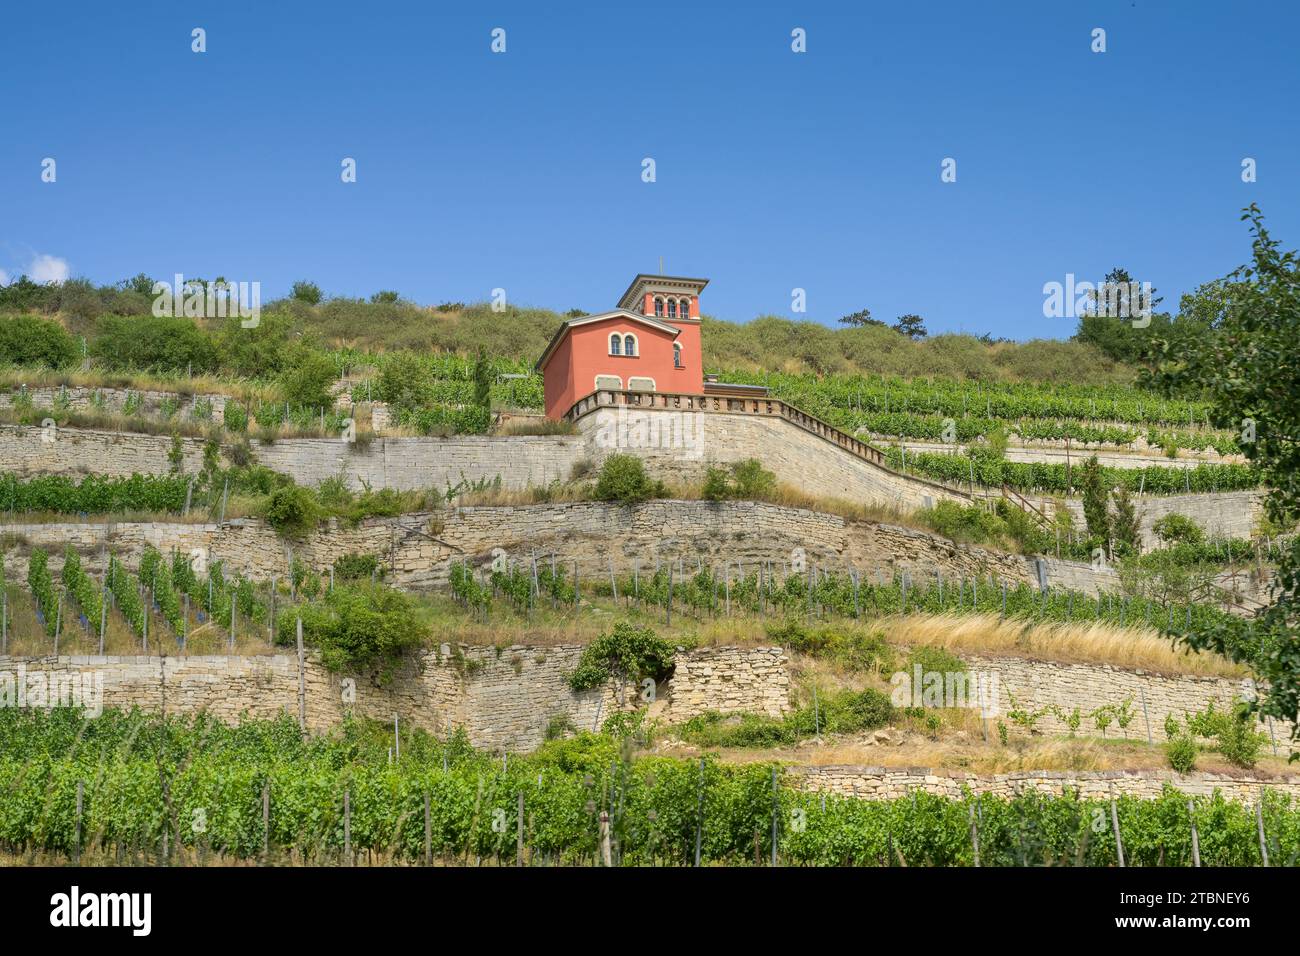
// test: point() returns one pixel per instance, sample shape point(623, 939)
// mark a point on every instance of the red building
point(651, 343)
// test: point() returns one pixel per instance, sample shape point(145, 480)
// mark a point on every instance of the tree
point(405, 381)
point(1125, 529)
point(913, 326)
point(308, 378)
point(1246, 363)
point(482, 381)
point(860, 318)
point(305, 291)
point(385, 297)
point(1094, 500)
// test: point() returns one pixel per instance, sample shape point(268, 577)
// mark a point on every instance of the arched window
point(684, 310)
point(672, 308)
point(659, 307)
point(677, 355)
point(614, 341)
point(629, 345)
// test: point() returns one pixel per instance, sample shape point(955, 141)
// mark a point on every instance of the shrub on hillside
point(358, 627)
point(156, 343)
point(1181, 753)
point(27, 340)
point(293, 510)
point(628, 652)
point(622, 478)
point(304, 291)
point(405, 381)
point(746, 479)
point(1175, 528)
point(307, 380)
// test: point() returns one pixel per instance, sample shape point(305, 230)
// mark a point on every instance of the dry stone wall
point(888, 783)
point(504, 698)
point(1048, 685)
point(418, 548)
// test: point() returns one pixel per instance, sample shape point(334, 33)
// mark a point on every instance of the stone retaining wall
point(504, 698)
point(888, 783)
point(1039, 685)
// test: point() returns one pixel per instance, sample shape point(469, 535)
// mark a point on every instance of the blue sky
point(775, 170)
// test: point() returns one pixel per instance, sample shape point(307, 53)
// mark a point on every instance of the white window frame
point(636, 346)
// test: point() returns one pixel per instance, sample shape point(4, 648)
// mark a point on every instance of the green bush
point(307, 381)
point(746, 479)
point(1175, 528)
point(358, 628)
point(304, 291)
point(234, 417)
point(293, 510)
point(626, 651)
point(855, 651)
point(157, 343)
point(1181, 752)
point(938, 660)
point(622, 478)
point(1239, 741)
point(356, 567)
point(29, 341)
point(405, 381)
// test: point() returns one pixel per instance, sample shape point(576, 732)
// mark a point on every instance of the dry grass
point(967, 750)
point(1091, 643)
point(11, 378)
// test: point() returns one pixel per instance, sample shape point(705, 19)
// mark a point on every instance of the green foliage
point(1181, 753)
point(93, 494)
point(842, 712)
point(293, 510)
point(622, 478)
point(1125, 527)
point(126, 592)
point(125, 760)
point(34, 342)
point(405, 381)
point(356, 567)
point(234, 417)
point(482, 381)
point(625, 652)
point(1175, 528)
point(153, 343)
point(42, 587)
point(1037, 476)
point(304, 291)
point(746, 480)
point(856, 651)
point(937, 660)
point(1239, 741)
point(1095, 514)
point(307, 380)
point(1245, 358)
point(82, 588)
point(358, 627)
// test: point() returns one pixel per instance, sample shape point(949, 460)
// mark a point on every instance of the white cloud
point(4, 277)
point(49, 269)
